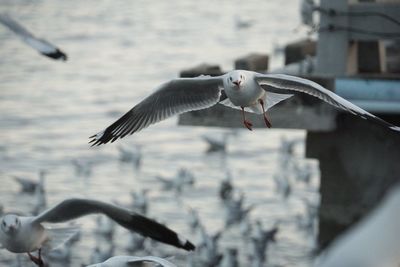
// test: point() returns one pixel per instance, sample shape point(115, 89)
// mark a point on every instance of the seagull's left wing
point(292, 83)
point(44, 47)
point(74, 208)
point(174, 97)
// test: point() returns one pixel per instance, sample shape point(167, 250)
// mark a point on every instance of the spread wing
point(74, 208)
point(292, 83)
point(174, 97)
point(44, 47)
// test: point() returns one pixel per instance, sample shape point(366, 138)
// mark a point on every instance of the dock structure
point(359, 161)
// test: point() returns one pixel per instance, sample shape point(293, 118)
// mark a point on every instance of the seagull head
point(236, 79)
point(10, 223)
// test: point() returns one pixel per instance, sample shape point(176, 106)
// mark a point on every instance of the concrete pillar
point(359, 161)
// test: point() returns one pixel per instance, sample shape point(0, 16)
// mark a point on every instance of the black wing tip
point(189, 246)
point(58, 54)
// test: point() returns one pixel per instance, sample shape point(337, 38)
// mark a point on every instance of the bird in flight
point(42, 46)
point(20, 234)
point(237, 89)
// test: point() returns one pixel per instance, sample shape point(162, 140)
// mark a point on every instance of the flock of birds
point(56, 244)
point(246, 90)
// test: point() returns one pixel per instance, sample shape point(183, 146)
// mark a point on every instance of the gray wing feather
point(288, 82)
point(74, 208)
point(40, 45)
point(14, 26)
point(174, 97)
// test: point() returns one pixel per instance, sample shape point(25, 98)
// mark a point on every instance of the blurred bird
point(136, 243)
point(99, 254)
point(226, 188)
point(26, 234)
point(235, 212)
point(260, 242)
point(29, 186)
point(127, 261)
point(42, 46)
point(230, 258)
point(217, 143)
point(133, 155)
point(183, 178)
point(282, 184)
point(193, 219)
point(140, 202)
point(303, 173)
point(40, 203)
point(105, 227)
point(209, 249)
point(241, 23)
point(82, 167)
point(372, 242)
point(62, 253)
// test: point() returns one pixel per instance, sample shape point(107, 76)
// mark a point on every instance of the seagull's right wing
point(74, 208)
point(44, 47)
point(174, 97)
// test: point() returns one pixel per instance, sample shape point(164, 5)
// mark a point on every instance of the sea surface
point(120, 51)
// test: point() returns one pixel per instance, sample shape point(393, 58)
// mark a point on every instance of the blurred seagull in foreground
point(26, 234)
point(127, 261)
point(44, 47)
point(246, 90)
point(372, 242)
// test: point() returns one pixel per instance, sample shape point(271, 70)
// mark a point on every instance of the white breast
point(247, 95)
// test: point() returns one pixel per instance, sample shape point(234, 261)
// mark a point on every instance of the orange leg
point(246, 123)
point(269, 125)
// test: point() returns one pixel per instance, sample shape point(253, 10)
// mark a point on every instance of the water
point(118, 52)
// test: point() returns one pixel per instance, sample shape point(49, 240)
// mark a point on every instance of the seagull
point(261, 240)
point(131, 156)
point(136, 243)
point(140, 201)
point(226, 188)
point(230, 258)
point(26, 234)
point(126, 261)
point(29, 186)
point(238, 89)
point(372, 242)
point(44, 47)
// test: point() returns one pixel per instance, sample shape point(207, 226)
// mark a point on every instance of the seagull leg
point(269, 125)
point(37, 260)
point(246, 123)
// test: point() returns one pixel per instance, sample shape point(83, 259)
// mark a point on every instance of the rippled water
point(118, 52)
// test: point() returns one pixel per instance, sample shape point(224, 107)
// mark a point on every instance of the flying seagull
point(127, 261)
point(26, 234)
point(238, 89)
point(45, 48)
